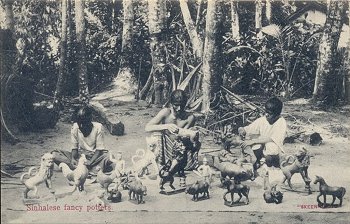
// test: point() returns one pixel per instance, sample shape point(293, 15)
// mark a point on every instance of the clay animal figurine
point(145, 158)
point(273, 196)
point(336, 192)
point(188, 133)
point(78, 176)
point(44, 174)
point(228, 141)
point(299, 165)
point(176, 165)
point(165, 176)
point(231, 170)
point(179, 161)
point(103, 179)
point(123, 181)
point(198, 188)
point(233, 188)
point(114, 195)
point(137, 190)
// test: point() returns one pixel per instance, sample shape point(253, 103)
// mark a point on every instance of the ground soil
point(329, 160)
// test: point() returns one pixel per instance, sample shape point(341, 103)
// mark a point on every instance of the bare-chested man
point(170, 121)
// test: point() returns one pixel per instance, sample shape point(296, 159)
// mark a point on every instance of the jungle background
point(125, 57)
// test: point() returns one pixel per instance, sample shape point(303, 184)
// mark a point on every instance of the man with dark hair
point(170, 121)
point(87, 138)
point(271, 130)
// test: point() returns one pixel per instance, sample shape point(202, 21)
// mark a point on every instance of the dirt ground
point(329, 160)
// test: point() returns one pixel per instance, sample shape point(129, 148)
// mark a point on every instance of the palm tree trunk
point(157, 19)
point(125, 82)
point(325, 82)
point(268, 10)
point(211, 57)
point(235, 20)
point(258, 18)
point(197, 43)
point(9, 20)
point(347, 66)
point(62, 68)
point(82, 70)
point(8, 67)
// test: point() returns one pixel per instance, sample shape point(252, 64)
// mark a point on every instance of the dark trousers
point(61, 156)
point(270, 160)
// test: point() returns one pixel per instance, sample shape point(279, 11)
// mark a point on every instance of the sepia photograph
point(175, 111)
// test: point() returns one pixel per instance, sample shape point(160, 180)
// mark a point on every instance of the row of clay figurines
point(137, 190)
point(144, 158)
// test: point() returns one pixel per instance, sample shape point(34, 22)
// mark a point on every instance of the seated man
point(171, 121)
point(271, 129)
point(86, 138)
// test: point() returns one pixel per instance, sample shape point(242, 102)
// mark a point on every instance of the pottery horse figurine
point(338, 192)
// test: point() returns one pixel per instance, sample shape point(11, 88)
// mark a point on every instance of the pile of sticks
point(228, 112)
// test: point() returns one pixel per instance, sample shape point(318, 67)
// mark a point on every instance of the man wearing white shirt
point(271, 130)
point(87, 138)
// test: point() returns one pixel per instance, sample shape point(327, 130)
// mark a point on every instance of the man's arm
point(191, 120)
point(100, 147)
point(97, 154)
point(277, 135)
point(74, 158)
point(75, 145)
point(260, 140)
point(155, 124)
point(251, 129)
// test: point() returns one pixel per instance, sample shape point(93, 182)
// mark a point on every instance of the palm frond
point(272, 30)
point(186, 81)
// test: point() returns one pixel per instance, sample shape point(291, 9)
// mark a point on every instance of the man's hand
point(88, 163)
point(74, 163)
point(247, 143)
point(172, 128)
point(242, 132)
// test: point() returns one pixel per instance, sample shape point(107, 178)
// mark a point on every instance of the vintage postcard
point(175, 111)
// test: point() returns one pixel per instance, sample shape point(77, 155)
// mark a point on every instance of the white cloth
point(90, 143)
point(276, 131)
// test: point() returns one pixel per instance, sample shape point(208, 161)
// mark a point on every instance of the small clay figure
point(78, 176)
point(165, 176)
point(114, 195)
point(188, 133)
point(205, 171)
point(198, 188)
point(143, 158)
point(173, 166)
point(299, 165)
point(103, 179)
point(43, 175)
point(231, 170)
point(120, 164)
point(233, 188)
point(273, 196)
point(336, 192)
point(137, 190)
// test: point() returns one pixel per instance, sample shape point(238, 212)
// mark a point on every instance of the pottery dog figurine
point(44, 174)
